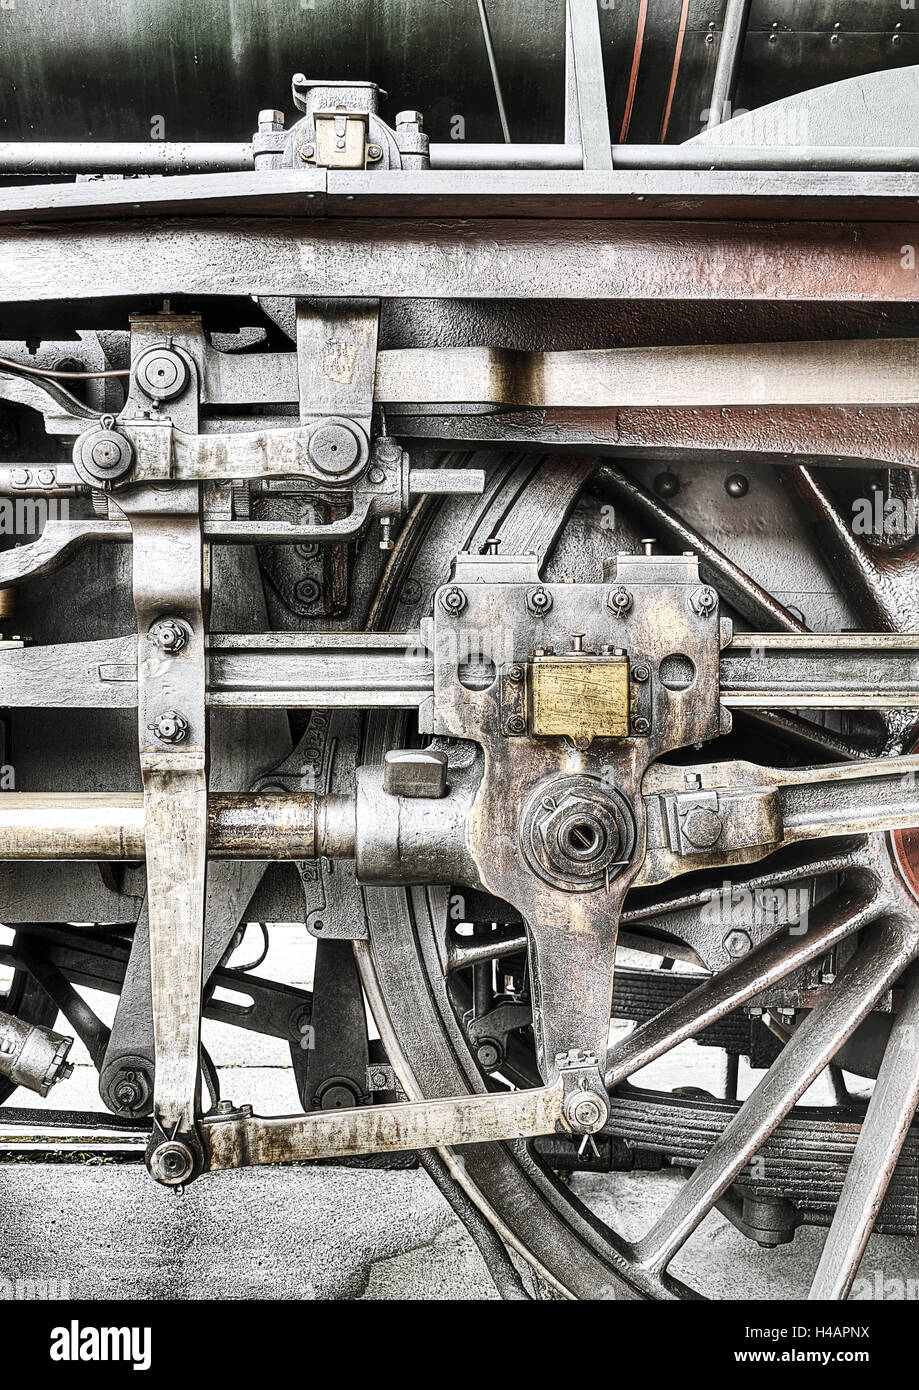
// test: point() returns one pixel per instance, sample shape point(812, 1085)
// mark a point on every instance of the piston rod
point(100, 826)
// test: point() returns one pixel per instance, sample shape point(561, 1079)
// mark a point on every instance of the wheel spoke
point(847, 1001)
point(835, 919)
point(884, 1129)
point(687, 913)
point(880, 582)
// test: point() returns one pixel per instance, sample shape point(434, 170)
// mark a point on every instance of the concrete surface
point(104, 1230)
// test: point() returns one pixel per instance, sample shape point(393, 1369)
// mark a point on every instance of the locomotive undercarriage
point(403, 605)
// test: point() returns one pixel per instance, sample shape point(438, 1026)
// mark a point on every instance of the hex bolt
point(306, 153)
point(737, 943)
point(380, 1080)
point(46, 477)
point(640, 725)
point(641, 672)
point(170, 727)
point(515, 674)
point(453, 601)
point(386, 540)
point(20, 477)
point(516, 724)
point(270, 120)
point(169, 635)
point(492, 545)
point(619, 601)
point(410, 119)
point(374, 152)
point(225, 1107)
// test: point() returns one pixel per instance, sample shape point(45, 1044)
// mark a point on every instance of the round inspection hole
point(677, 672)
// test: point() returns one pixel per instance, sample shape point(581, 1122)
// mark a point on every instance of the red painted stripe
point(677, 55)
point(633, 75)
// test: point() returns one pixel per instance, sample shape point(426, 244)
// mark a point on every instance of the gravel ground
point(106, 1231)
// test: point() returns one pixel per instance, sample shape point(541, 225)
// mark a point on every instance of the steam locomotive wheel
point(422, 1004)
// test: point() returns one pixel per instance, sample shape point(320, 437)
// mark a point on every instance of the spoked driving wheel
point(500, 560)
point(797, 962)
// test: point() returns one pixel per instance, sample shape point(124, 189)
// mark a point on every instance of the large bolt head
point(270, 120)
point(161, 373)
point(102, 455)
point(488, 1054)
point(702, 827)
point(585, 1111)
point(172, 1163)
point(334, 448)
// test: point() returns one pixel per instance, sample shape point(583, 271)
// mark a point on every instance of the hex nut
point(703, 601)
point(453, 601)
point(170, 727)
point(169, 635)
point(737, 943)
point(539, 601)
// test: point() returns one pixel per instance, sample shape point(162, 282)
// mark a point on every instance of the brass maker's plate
point(581, 697)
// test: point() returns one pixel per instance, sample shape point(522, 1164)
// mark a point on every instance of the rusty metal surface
point(242, 1139)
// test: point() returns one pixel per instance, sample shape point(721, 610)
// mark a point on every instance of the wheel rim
point(573, 1251)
